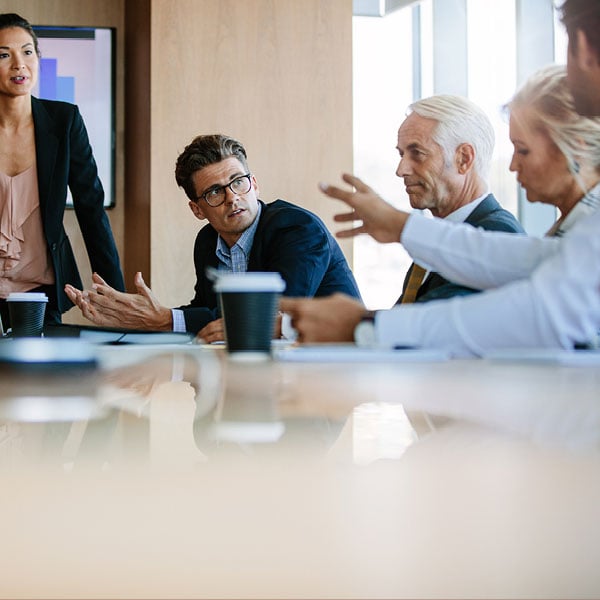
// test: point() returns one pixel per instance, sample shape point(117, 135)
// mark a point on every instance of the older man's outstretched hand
point(379, 219)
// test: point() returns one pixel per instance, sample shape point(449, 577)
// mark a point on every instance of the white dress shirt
point(462, 212)
point(587, 206)
point(549, 295)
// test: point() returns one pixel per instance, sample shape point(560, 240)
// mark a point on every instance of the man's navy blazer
point(488, 215)
point(64, 159)
point(289, 240)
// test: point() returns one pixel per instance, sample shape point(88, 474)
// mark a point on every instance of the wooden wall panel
point(108, 13)
point(276, 74)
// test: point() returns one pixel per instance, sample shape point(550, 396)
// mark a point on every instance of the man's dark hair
point(205, 150)
point(8, 20)
point(584, 15)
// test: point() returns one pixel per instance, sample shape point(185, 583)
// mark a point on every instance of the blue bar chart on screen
point(53, 87)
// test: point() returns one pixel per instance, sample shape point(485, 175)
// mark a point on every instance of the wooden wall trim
point(138, 140)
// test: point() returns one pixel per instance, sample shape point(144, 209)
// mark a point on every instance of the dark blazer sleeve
point(88, 202)
point(288, 240)
point(64, 160)
point(295, 243)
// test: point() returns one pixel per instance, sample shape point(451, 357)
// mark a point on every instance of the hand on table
point(379, 219)
point(107, 307)
point(330, 319)
point(212, 332)
point(215, 331)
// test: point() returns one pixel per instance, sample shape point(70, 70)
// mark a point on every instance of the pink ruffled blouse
point(24, 260)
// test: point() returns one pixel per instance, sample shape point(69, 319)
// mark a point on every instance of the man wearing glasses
point(243, 234)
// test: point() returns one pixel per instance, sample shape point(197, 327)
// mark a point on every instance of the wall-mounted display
point(78, 66)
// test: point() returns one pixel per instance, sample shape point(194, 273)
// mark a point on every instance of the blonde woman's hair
point(576, 136)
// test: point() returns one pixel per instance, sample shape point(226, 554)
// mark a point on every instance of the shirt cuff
point(178, 320)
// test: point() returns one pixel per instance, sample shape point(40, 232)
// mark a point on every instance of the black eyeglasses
point(216, 196)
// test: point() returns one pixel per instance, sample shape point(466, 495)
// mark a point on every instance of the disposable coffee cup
point(27, 310)
point(249, 304)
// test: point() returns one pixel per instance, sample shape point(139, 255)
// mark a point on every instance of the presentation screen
point(78, 66)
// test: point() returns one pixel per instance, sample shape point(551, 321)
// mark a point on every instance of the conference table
point(178, 471)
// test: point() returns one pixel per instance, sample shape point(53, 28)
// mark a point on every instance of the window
point(383, 88)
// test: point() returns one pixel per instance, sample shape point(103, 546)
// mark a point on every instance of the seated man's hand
point(379, 219)
point(212, 332)
point(215, 331)
point(330, 319)
point(107, 307)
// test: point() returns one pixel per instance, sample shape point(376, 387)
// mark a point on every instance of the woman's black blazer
point(64, 159)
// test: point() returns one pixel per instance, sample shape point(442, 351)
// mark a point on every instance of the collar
point(587, 206)
point(244, 243)
point(462, 214)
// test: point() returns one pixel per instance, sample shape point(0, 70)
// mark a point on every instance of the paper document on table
point(575, 358)
point(134, 337)
point(351, 353)
point(109, 335)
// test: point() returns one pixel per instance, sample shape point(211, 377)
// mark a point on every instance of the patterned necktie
point(415, 280)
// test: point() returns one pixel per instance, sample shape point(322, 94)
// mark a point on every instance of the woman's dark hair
point(8, 20)
point(205, 150)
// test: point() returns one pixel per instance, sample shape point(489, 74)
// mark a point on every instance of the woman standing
point(44, 148)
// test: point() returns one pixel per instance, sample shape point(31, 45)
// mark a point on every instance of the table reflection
point(182, 406)
point(247, 412)
point(453, 479)
point(380, 431)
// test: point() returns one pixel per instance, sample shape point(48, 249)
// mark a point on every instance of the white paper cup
point(27, 310)
point(249, 303)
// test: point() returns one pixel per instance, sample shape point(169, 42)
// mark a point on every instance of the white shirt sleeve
point(557, 306)
point(471, 256)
